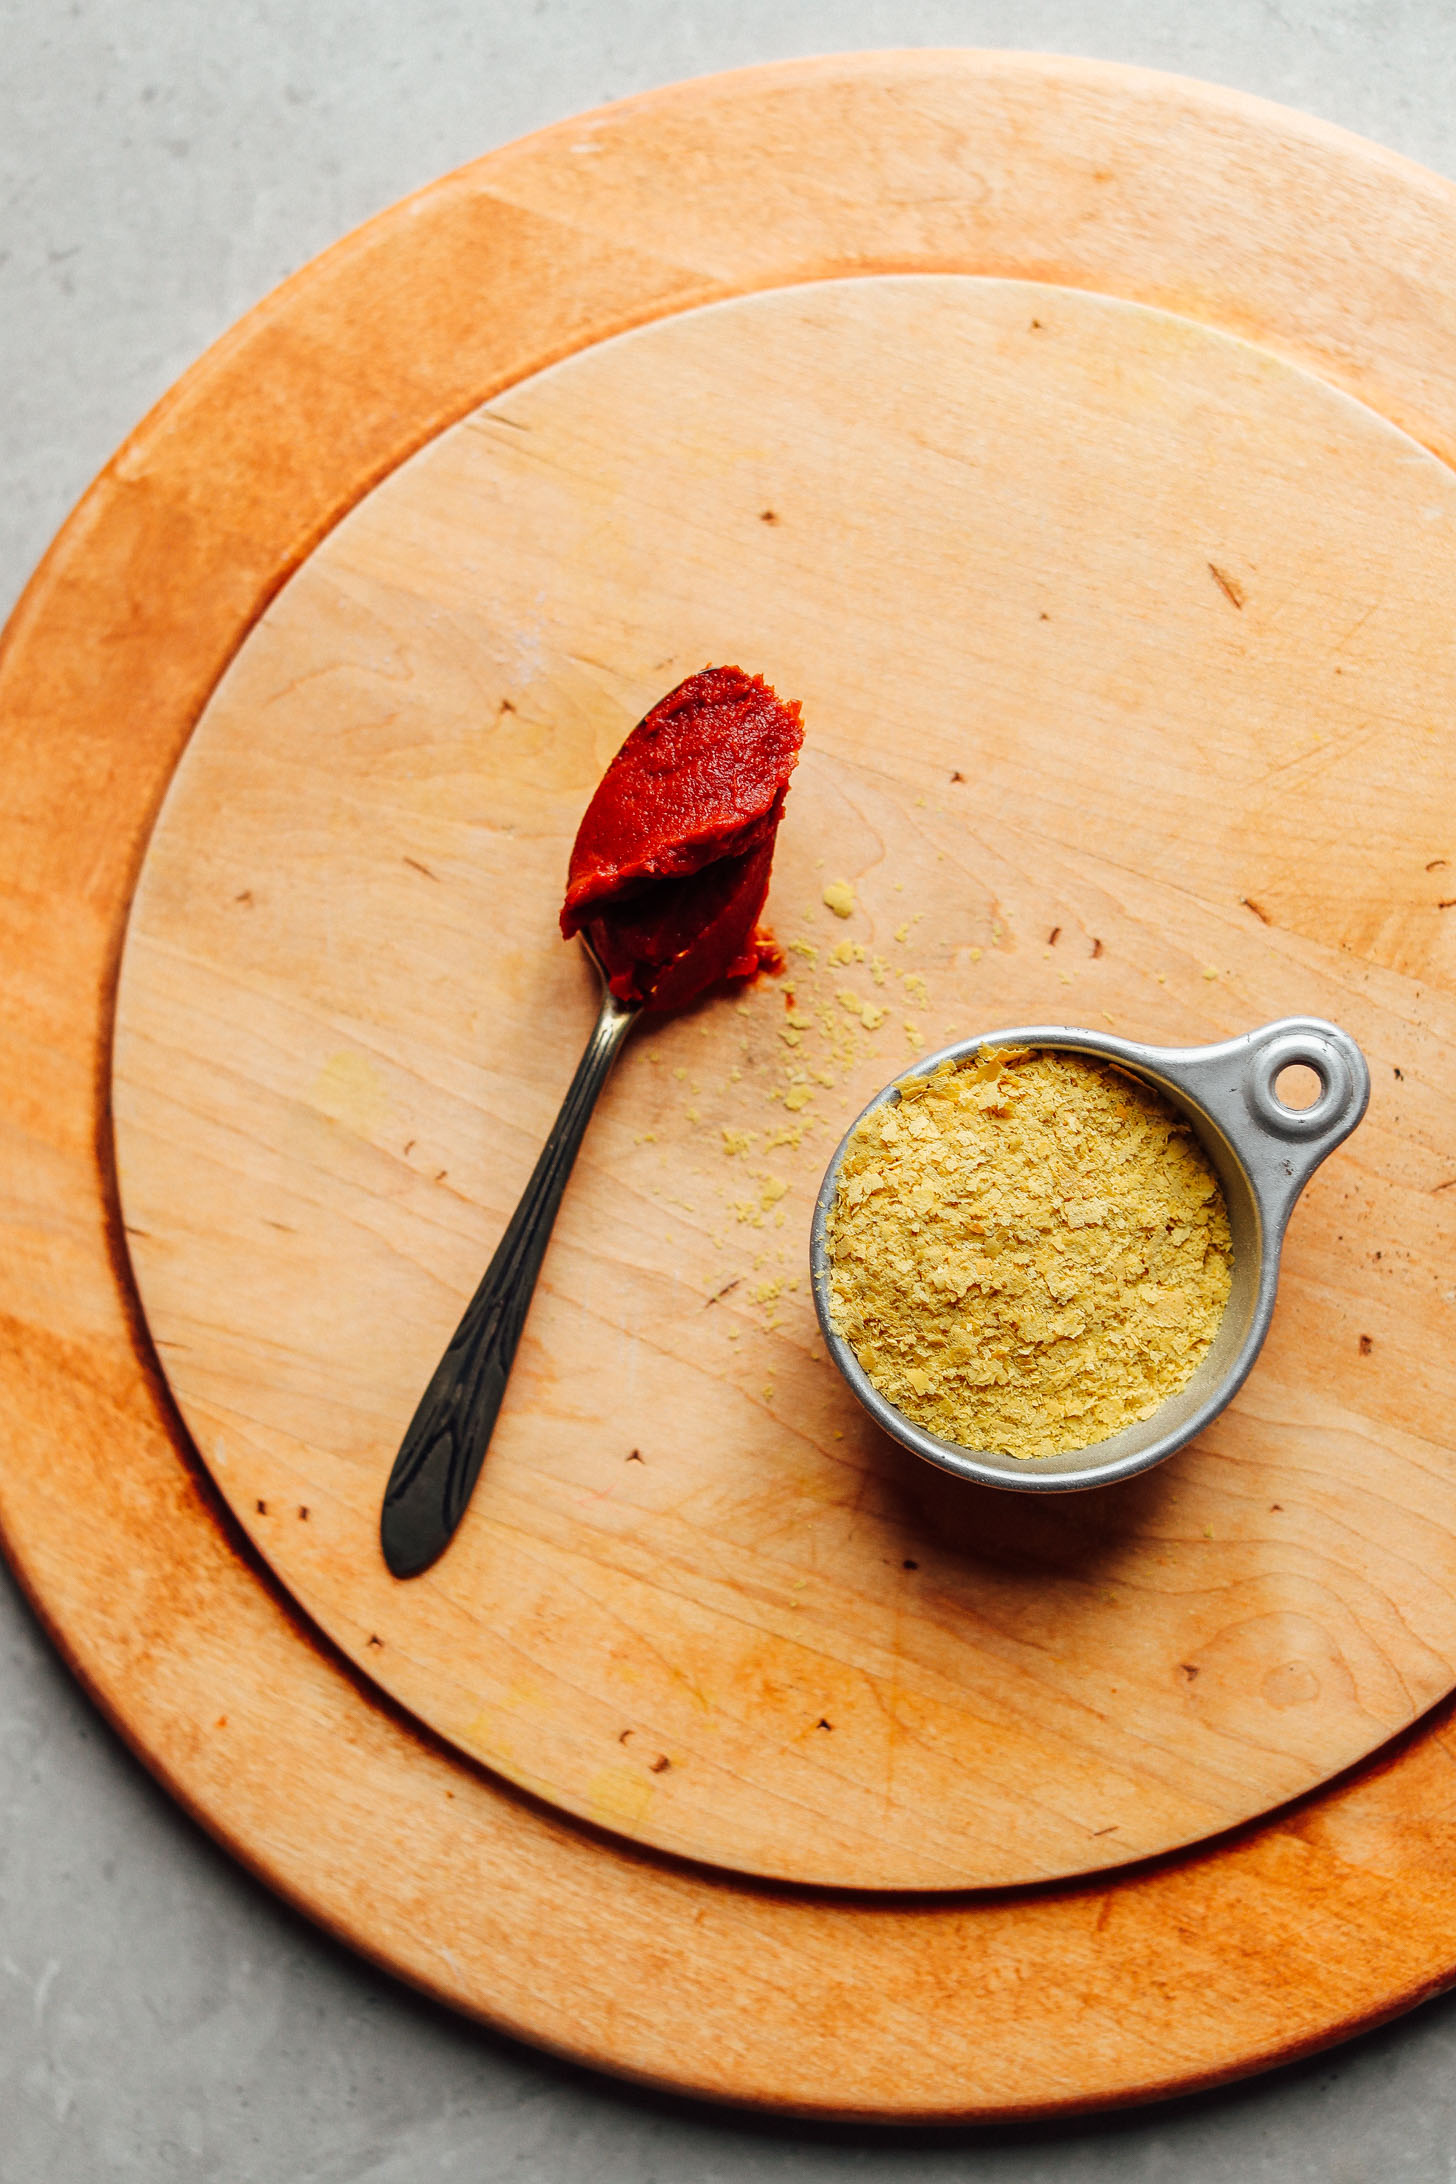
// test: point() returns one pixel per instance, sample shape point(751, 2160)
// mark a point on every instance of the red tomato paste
point(670, 866)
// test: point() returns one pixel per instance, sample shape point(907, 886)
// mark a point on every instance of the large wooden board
point(1327, 1918)
point(1105, 625)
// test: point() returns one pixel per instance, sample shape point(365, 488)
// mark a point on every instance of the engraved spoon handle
point(440, 1456)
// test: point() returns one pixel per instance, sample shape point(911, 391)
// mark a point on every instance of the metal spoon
point(440, 1456)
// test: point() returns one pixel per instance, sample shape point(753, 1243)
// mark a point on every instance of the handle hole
point(1298, 1086)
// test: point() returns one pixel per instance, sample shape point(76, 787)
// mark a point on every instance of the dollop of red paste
point(670, 866)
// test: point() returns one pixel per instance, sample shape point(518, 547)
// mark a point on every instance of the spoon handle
point(440, 1456)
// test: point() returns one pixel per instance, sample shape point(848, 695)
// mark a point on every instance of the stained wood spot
point(262, 1509)
point(1366, 1345)
point(1230, 586)
point(910, 1565)
point(958, 777)
point(415, 866)
point(1054, 936)
point(768, 516)
point(1096, 948)
point(1189, 1668)
point(821, 1723)
point(636, 1457)
point(303, 1512)
point(1258, 909)
point(247, 894)
point(1438, 864)
point(376, 1641)
point(661, 1764)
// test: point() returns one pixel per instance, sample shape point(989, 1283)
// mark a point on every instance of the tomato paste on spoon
point(667, 879)
point(670, 866)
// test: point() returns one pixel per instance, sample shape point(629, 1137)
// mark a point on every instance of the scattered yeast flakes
point(1029, 1251)
point(839, 897)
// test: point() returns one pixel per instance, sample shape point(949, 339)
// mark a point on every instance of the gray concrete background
point(163, 164)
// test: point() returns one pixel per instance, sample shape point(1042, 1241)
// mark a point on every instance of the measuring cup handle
point(1281, 1146)
point(1335, 1059)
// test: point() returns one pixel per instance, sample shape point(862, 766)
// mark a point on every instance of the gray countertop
point(161, 2017)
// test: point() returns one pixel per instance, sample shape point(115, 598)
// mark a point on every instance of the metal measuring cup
point(1263, 1152)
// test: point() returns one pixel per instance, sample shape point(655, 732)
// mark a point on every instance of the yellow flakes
point(916, 987)
point(839, 897)
point(869, 1013)
point(806, 949)
point(797, 1096)
point(841, 952)
point(773, 1190)
point(737, 1141)
point(1028, 1252)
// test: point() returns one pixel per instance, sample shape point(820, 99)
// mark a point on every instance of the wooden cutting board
point(1106, 625)
point(1335, 1912)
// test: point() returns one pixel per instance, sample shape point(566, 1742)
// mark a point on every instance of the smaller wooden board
point(1104, 625)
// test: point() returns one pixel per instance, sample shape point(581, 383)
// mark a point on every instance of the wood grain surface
point(1104, 625)
point(1334, 1914)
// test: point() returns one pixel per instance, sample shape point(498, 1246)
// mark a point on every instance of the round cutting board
point(1104, 624)
point(1334, 1913)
